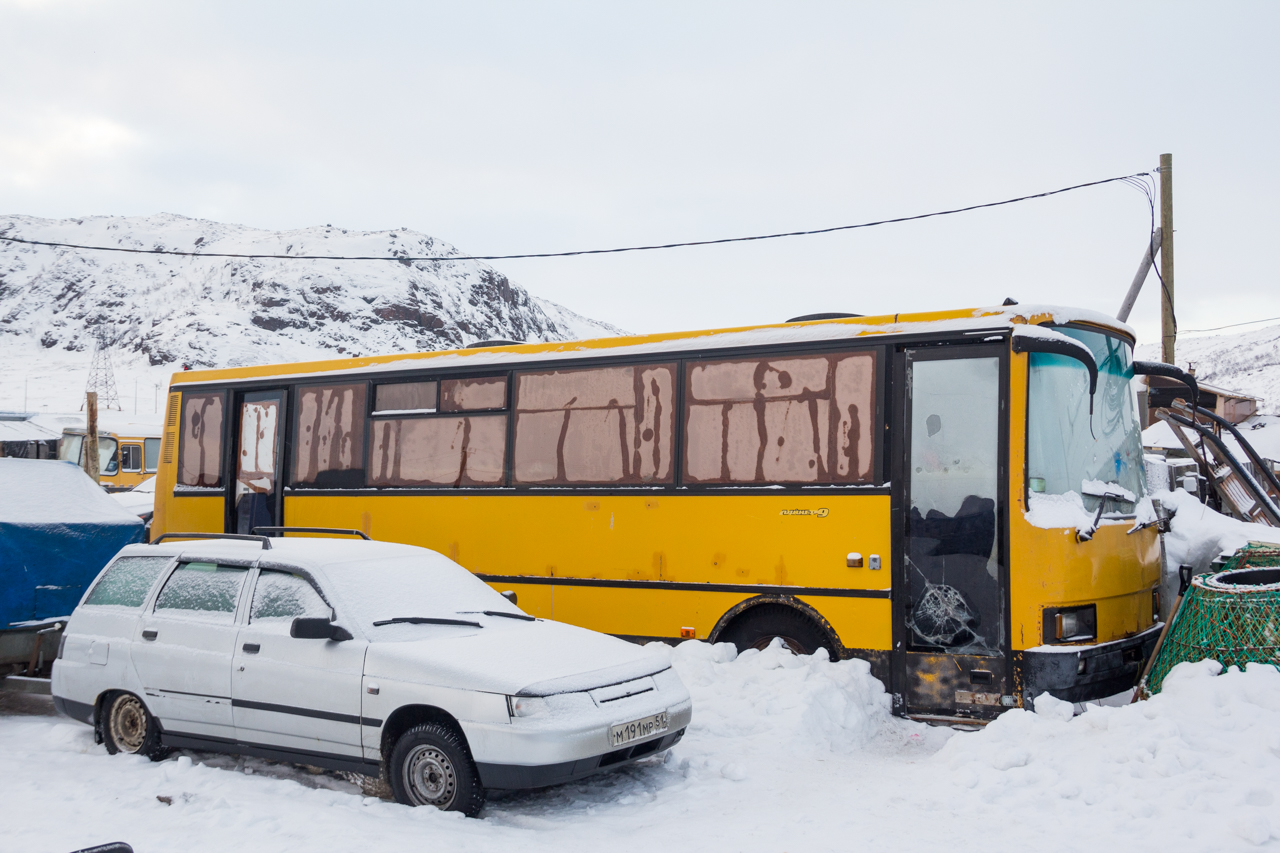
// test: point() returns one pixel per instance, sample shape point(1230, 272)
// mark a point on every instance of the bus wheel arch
point(756, 621)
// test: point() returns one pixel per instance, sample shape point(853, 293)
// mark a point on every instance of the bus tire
point(431, 766)
point(129, 728)
point(759, 626)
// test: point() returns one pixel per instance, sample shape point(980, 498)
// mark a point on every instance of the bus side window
point(806, 419)
point(200, 450)
point(150, 455)
point(604, 425)
point(131, 458)
point(329, 449)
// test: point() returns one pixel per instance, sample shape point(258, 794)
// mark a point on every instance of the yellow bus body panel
point(766, 540)
point(1048, 568)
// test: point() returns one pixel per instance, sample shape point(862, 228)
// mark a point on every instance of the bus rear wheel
point(760, 626)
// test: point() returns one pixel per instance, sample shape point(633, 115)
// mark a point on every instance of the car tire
point(431, 766)
point(761, 625)
point(129, 728)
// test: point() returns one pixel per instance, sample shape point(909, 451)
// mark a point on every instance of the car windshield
point(1069, 451)
point(429, 592)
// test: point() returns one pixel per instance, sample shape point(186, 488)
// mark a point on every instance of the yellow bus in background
point(125, 459)
point(951, 496)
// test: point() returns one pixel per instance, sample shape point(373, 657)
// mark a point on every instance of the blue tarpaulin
point(57, 530)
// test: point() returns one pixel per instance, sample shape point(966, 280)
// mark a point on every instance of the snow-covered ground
point(784, 753)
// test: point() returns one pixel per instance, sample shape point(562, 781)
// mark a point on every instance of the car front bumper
point(518, 776)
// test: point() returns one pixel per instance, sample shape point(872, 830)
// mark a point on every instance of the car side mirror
point(317, 628)
point(509, 595)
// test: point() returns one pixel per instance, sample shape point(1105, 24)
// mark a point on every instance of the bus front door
point(255, 499)
point(950, 601)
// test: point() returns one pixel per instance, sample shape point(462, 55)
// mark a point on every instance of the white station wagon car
point(355, 655)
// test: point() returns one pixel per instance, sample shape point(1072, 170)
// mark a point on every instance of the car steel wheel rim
point(429, 777)
point(128, 724)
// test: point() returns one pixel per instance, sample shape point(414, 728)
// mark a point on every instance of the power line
point(1230, 325)
point(649, 248)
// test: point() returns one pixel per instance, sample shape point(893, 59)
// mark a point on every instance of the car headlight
point(526, 706)
point(1071, 624)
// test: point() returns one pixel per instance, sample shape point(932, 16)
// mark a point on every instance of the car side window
point(205, 591)
point(281, 596)
point(127, 582)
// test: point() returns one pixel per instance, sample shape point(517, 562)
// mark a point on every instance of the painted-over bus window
point(200, 450)
point(329, 448)
point(605, 425)
point(398, 398)
point(469, 395)
point(808, 419)
point(423, 445)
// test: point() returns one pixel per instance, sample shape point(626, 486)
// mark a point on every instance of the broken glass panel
point(440, 451)
point(807, 419)
point(200, 451)
point(330, 436)
point(954, 599)
point(605, 425)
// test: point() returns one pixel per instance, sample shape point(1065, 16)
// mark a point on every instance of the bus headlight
point(1071, 624)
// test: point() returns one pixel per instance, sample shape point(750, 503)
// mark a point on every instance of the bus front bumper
point(1084, 673)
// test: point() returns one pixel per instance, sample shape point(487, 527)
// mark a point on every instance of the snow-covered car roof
point(307, 553)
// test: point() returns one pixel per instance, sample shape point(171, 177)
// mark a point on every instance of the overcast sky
point(519, 127)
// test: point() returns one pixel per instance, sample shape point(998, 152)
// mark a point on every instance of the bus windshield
point(1069, 452)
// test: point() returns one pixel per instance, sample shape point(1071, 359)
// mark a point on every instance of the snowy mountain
point(232, 311)
point(1248, 362)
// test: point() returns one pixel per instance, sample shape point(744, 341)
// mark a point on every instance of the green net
point(1231, 616)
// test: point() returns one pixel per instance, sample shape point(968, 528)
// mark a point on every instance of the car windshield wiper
point(521, 616)
point(427, 620)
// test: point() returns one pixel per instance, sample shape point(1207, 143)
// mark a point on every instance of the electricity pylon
point(101, 377)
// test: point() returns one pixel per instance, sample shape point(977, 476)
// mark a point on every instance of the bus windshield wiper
point(522, 616)
point(427, 620)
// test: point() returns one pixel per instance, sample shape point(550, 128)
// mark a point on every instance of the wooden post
point(1168, 325)
point(1144, 267)
point(91, 435)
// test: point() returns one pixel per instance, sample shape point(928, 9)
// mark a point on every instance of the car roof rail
point(265, 542)
point(341, 531)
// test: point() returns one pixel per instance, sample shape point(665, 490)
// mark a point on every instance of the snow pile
point(784, 753)
point(1199, 760)
point(789, 703)
point(1197, 534)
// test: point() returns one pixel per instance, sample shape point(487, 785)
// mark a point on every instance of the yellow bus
point(955, 497)
point(125, 458)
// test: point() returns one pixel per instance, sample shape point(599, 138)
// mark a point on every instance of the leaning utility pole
point(1168, 320)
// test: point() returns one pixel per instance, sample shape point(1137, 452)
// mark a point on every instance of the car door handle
point(252, 648)
point(149, 635)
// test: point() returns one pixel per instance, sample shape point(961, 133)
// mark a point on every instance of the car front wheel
point(128, 727)
point(431, 766)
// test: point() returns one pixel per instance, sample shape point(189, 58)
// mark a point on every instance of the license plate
point(638, 729)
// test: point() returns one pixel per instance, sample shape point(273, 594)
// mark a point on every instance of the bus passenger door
point(951, 593)
point(255, 498)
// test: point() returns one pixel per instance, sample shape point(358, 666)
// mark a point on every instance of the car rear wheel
point(128, 727)
point(760, 626)
point(431, 766)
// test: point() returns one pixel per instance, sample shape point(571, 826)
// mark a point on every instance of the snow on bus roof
point(974, 320)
